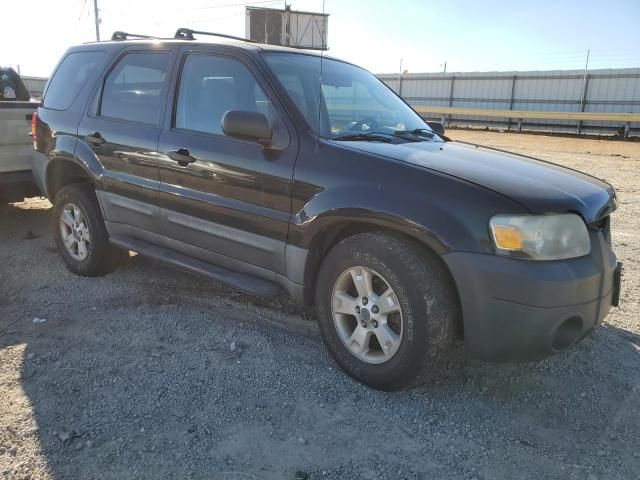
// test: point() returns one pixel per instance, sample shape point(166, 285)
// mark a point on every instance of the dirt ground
point(155, 373)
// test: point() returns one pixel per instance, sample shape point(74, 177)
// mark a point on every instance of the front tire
point(387, 310)
point(80, 234)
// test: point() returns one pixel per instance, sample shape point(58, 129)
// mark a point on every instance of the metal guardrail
point(623, 118)
point(516, 114)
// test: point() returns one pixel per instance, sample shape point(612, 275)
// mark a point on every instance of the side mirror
point(437, 127)
point(248, 126)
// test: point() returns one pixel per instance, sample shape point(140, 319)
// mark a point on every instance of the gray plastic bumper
point(519, 310)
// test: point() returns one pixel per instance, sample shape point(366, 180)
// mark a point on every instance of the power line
point(84, 4)
point(208, 7)
point(242, 4)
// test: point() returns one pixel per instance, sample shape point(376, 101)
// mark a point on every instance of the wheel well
point(62, 173)
point(325, 241)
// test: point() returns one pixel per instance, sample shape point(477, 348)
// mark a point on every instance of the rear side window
point(133, 89)
point(69, 78)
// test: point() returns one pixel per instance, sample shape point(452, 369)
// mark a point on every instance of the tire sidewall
point(73, 195)
point(414, 306)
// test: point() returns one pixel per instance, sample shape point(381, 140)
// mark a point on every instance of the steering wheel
point(371, 122)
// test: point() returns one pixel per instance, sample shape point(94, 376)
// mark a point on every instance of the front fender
point(336, 183)
point(366, 204)
point(452, 216)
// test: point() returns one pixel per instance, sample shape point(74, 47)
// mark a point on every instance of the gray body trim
point(119, 234)
point(204, 235)
point(120, 209)
point(295, 259)
point(223, 232)
point(231, 242)
point(116, 201)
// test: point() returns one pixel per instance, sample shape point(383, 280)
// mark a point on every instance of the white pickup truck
point(16, 110)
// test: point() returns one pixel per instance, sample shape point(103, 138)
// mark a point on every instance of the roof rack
point(118, 35)
point(187, 34)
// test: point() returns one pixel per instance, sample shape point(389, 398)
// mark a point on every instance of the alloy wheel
point(367, 315)
point(74, 230)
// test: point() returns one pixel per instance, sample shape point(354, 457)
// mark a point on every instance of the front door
point(223, 199)
point(122, 127)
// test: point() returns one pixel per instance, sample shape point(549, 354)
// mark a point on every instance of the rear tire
point(422, 301)
point(80, 234)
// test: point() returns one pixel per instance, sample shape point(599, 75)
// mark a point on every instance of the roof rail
point(118, 35)
point(187, 34)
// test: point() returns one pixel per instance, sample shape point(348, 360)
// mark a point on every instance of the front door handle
point(95, 138)
point(182, 156)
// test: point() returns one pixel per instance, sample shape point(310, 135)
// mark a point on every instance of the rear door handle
point(95, 138)
point(182, 156)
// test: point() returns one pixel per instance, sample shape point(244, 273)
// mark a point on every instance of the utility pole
point(400, 79)
point(583, 94)
point(287, 25)
point(444, 70)
point(584, 81)
point(96, 15)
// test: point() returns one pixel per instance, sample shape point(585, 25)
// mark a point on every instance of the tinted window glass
point(70, 77)
point(133, 89)
point(338, 99)
point(11, 87)
point(210, 86)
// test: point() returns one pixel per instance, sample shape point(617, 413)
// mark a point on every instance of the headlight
point(540, 237)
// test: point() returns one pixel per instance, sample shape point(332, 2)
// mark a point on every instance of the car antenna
point(320, 86)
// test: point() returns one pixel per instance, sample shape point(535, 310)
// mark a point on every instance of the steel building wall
point(35, 85)
point(608, 90)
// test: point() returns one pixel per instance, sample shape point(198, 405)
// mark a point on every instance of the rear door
point(232, 204)
point(122, 127)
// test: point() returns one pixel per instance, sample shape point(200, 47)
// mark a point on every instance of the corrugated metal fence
point(35, 85)
point(611, 91)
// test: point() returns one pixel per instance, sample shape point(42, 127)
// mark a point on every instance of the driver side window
point(348, 105)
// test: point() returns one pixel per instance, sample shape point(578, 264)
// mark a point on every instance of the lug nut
point(364, 324)
point(374, 323)
point(358, 309)
point(375, 309)
point(365, 300)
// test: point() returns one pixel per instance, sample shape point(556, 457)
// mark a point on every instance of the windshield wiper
point(367, 137)
point(420, 132)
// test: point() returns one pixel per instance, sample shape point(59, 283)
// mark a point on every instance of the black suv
point(268, 168)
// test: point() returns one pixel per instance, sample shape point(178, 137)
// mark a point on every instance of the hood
point(541, 187)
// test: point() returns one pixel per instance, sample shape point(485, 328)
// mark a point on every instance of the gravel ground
point(155, 373)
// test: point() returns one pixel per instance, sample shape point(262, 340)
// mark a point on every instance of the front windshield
point(351, 101)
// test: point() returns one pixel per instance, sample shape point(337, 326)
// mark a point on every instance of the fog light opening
point(567, 333)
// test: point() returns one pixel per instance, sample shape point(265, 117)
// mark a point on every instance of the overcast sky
point(470, 35)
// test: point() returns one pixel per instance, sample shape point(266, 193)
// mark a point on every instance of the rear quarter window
point(75, 70)
point(133, 89)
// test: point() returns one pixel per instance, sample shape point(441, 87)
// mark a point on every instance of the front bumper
point(520, 310)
